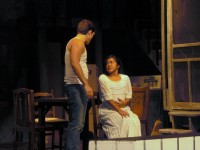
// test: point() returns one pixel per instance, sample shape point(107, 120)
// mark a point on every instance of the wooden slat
point(185, 113)
point(174, 131)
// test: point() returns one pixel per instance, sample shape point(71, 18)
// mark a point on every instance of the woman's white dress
point(114, 125)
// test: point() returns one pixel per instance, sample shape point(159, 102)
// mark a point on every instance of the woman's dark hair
point(85, 25)
point(118, 61)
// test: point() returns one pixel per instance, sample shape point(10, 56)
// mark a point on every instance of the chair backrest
point(140, 102)
point(38, 95)
point(43, 94)
point(24, 114)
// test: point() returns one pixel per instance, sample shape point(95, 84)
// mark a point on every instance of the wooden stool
point(188, 114)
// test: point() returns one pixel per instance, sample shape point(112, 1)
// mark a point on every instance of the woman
point(115, 92)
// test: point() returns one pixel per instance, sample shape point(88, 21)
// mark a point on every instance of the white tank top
point(70, 76)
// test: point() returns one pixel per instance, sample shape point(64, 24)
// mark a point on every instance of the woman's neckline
point(120, 78)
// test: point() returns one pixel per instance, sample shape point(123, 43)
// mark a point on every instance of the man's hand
point(89, 91)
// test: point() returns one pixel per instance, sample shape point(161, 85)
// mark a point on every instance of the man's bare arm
point(75, 53)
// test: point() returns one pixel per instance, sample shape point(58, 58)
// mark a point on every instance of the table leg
point(41, 137)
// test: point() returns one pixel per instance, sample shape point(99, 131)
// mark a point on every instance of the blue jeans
point(77, 111)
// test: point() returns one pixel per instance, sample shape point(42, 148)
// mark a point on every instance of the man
point(77, 87)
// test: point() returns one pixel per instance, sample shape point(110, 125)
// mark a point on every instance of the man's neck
point(81, 37)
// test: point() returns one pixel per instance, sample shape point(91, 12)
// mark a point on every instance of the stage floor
point(167, 142)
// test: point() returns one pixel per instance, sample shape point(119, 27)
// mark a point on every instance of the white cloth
point(114, 125)
point(70, 76)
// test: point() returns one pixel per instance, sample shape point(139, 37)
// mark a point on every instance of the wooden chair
point(58, 124)
point(96, 124)
point(139, 105)
point(25, 126)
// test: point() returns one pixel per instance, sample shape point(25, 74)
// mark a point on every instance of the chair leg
point(16, 141)
point(60, 138)
point(31, 143)
point(146, 130)
point(95, 133)
point(52, 140)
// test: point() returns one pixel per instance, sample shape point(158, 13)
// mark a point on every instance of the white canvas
point(169, 144)
point(154, 144)
point(186, 143)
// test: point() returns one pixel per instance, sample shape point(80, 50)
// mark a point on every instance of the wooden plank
point(185, 113)
point(174, 131)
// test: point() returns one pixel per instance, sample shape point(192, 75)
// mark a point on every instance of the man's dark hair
point(84, 26)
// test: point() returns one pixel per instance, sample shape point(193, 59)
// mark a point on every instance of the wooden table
point(44, 105)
